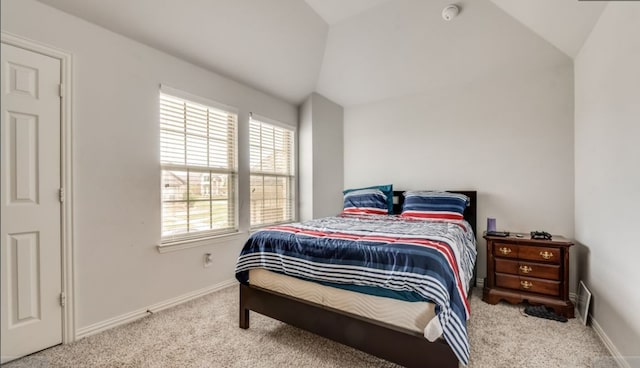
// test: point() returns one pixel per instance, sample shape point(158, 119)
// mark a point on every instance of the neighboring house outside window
point(198, 153)
point(272, 168)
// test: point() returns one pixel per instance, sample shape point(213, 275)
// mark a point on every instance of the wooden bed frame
point(395, 344)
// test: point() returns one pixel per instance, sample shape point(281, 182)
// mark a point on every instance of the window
point(272, 173)
point(199, 171)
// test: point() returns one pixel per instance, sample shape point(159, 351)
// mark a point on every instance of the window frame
point(293, 178)
point(233, 172)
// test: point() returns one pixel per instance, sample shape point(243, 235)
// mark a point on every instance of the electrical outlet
point(208, 259)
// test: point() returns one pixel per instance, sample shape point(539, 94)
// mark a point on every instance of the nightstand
point(523, 269)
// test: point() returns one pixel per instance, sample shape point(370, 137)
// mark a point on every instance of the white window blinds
point(272, 153)
point(199, 171)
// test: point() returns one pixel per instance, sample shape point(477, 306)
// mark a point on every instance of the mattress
point(411, 260)
point(412, 316)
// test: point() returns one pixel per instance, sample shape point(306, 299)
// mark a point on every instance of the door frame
point(66, 174)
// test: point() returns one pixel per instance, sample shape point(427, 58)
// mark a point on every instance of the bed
point(391, 322)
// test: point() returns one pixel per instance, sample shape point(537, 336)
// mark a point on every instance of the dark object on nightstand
point(526, 269)
point(540, 235)
point(544, 312)
point(498, 233)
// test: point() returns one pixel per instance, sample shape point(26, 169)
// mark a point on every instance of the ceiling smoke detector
point(450, 12)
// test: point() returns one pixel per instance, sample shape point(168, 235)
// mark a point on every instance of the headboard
point(470, 214)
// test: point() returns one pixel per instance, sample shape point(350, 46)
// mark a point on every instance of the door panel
point(23, 278)
point(23, 158)
point(31, 315)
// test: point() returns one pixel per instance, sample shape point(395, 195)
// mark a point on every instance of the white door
point(31, 315)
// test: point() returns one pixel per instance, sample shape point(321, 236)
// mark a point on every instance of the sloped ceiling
point(564, 23)
point(334, 11)
point(351, 51)
point(275, 46)
point(404, 47)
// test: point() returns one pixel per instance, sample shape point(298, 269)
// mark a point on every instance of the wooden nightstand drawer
point(544, 271)
point(528, 284)
point(540, 254)
point(505, 250)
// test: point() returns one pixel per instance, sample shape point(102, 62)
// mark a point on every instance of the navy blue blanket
point(382, 255)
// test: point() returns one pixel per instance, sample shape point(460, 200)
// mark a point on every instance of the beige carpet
point(205, 333)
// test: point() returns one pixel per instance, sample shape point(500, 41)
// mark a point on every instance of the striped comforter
point(429, 260)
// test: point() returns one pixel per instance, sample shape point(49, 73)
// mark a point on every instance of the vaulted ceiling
point(351, 51)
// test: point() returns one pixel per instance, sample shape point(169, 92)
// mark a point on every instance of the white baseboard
point(615, 353)
point(143, 312)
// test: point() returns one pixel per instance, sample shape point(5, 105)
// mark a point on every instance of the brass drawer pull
point(526, 284)
point(546, 255)
point(525, 269)
point(505, 250)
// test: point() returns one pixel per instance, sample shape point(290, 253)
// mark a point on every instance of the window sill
point(198, 242)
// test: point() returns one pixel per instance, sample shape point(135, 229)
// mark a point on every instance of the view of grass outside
point(270, 199)
point(195, 201)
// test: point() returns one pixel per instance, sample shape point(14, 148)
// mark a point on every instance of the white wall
point(508, 136)
point(321, 157)
point(116, 158)
point(305, 160)
point(328, 169)
point(607, 162)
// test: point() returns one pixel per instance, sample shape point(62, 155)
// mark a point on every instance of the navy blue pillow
point(386, 189)
point(434, 205)
point(365, 201)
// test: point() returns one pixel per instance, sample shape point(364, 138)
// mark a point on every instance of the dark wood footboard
point(398, 345)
